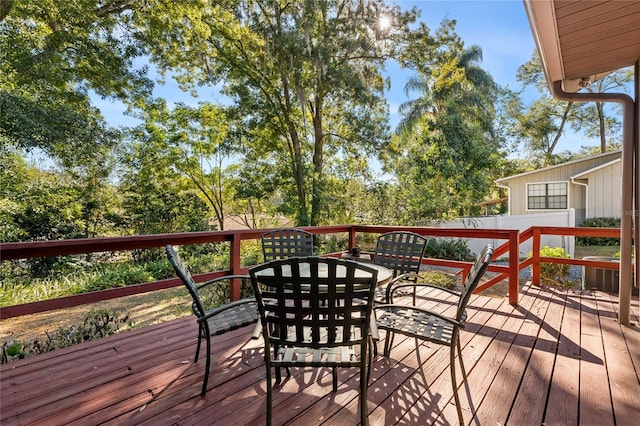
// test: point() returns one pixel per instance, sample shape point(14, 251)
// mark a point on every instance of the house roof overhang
point(582, 41)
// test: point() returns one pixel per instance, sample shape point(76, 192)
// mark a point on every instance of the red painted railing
point(512, 240)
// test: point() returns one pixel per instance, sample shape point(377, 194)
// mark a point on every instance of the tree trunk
point(552, 147)
point(601, 121)
point(318, 161)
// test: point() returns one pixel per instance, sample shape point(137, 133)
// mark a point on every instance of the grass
point(142, 309)
point(582, 251)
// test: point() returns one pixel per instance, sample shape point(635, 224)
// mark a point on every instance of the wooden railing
point(509, 271)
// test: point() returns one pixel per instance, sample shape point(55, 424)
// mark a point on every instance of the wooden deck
point(558, 358)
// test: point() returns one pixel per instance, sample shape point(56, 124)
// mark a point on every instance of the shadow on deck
point(558, 358)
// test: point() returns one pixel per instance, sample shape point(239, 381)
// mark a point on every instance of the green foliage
point(95, 325)
point(454, 249)
point(12, 350)
point(539, 126)
point(438, 278)
point(445, 153)
point(305, 82)
point(77, 278)
point(60, 51)
point(183, 149)
point(599, 222)
point(304, 89)
point(119, 275)
point(554, 273)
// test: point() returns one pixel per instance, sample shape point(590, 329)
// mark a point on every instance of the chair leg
point(364, 384)
point(278, 376)
point(455, 342)
point(207, 364)
point(370, 357)
point(388, 343)
point(269, 394)
point(200, 337)
point(335, 379)
point(464, 373)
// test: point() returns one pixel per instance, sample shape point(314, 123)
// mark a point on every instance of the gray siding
point(605, 192)
point(577, 197)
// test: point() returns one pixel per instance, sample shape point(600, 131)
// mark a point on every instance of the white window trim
point(526, 196)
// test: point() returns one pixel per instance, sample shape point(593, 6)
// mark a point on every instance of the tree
point(445, 146)
point(304, 75)
point(157, 198)
point(593, 118)
point(445, 69)
point(53, 54)
point(193, 142)
point(541, 124)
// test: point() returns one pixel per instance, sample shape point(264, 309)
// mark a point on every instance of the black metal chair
point(286, 242)
point(315, 312)
point(423, 324)
point(213, 320)
point(401, 252)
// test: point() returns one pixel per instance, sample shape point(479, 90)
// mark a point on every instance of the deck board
point(528, 407)
point(625, 388)
point(595, 399)
point(558, 358)
point(496, 372)
point(562, 400)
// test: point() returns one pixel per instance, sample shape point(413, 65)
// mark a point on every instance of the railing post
point(535, 252)
point(234, 266)
point(352, 237)
point(514, 270)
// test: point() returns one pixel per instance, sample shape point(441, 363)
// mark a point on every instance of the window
point(547, 196)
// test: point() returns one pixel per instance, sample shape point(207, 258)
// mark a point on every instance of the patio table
point(384, 274)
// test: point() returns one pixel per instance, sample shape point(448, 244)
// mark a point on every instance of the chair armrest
point(222, 278)
point(398, 279)
point(393, 289)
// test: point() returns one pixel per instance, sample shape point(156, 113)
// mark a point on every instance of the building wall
point(605, 192)
point(560, 173)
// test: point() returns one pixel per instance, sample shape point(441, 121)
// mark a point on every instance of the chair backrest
point(314, 302)
point(185, 276)
point(475, 274)
point(286, 242)
point(400, 251)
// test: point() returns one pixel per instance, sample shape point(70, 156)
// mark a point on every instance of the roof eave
point(543, 23)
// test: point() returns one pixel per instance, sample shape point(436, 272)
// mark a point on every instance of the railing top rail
point(32, 249)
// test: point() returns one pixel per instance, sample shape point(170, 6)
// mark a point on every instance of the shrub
point(119, 275)
point(599, 222)
point(455, 249)
point(438, 278)
point(554, 273)
point(11, 350)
